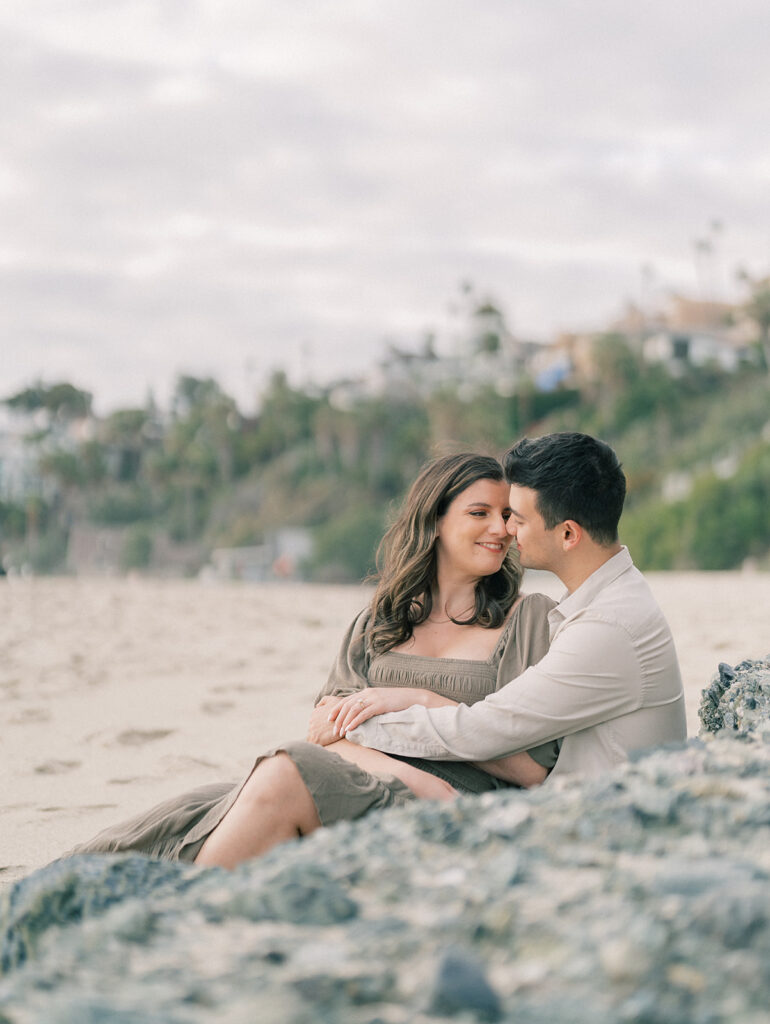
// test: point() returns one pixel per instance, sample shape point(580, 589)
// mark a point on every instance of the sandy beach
point(115, 694)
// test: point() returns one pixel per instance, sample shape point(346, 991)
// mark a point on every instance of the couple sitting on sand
point(451, 681)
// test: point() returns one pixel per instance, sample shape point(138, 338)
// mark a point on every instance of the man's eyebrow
point(519, 515)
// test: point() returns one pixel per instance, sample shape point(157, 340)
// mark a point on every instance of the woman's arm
point(349, 672)
point(346, 676)
point(519, 769)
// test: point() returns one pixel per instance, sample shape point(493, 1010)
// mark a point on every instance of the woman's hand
point(320, 730)
point(377, 700)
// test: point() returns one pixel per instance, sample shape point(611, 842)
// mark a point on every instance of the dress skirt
point(176, 829)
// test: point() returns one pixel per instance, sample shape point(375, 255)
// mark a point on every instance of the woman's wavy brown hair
point(406, 557)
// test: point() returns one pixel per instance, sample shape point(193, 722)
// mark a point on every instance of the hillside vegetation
point(200, 476)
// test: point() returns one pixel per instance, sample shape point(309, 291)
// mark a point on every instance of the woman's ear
point(571, 532)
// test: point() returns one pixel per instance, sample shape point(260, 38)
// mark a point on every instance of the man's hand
point(320, 730)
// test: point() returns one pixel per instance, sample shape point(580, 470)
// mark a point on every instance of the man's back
point(614, 628)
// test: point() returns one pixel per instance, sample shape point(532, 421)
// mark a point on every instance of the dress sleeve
point(349, 671)
point(528, 640)
point(527, 643)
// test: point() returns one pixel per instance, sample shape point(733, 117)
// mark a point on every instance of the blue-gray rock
point(642, 896)
point(461, 986)
point(738, 699)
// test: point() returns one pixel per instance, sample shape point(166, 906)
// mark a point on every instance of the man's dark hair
point(576, 477)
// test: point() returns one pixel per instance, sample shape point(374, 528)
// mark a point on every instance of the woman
point(446, 624)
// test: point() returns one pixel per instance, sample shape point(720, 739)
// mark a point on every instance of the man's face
point(539, 548)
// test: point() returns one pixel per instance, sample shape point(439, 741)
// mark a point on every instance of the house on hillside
point(567, 360)
point(403, 373)
point(570, 360)
point(19, 476)
point(678, 349)
point(484, 354)
point(281, 557)
point(694, 333)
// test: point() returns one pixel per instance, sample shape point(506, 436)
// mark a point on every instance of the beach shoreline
point(118, 693)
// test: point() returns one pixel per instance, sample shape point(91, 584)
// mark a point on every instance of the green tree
point(758, 308)
point(137, 549)
point(197, 455)
point(62, 400)
point(285, 419)
point(345, 547)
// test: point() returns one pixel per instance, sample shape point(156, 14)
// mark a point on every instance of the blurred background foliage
point(695, 447)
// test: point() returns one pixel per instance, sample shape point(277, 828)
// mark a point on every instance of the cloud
point(197, 186)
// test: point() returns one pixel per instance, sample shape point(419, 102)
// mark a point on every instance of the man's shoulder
point(628, 603)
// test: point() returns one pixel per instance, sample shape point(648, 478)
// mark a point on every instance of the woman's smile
point(492, 545)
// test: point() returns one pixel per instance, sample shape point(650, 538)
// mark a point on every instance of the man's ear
point(571, 533)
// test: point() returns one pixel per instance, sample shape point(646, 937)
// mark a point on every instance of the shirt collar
point(596, 582)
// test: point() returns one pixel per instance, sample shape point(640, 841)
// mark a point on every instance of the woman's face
point(472, 536)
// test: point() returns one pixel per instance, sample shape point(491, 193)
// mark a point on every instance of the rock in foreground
point(642, 898)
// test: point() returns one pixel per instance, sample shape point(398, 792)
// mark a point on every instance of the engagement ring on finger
point(362, 702)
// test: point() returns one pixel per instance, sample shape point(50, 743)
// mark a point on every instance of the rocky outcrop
point(643, 897)
point(738, 699)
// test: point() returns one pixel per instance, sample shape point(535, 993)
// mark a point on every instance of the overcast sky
point(227, 186)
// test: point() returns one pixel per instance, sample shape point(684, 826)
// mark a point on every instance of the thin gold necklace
point(441, 621)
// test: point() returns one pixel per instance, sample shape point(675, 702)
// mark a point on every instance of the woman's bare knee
point(273, 806)
point(277, 788)
point(428, 787)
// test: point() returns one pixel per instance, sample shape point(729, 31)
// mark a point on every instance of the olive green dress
point(177, 828)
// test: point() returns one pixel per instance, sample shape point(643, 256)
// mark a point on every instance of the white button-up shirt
point(609, 684)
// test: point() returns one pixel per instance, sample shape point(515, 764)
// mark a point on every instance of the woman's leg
point(274, 805)
point(424, 785)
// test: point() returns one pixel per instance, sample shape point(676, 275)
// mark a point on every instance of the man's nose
point(510, 527)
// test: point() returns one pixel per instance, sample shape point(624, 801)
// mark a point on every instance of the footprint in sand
point(233, 688)
point(182, 764)
point(30, 715)
point(217, 707)
point(56, 767)
point(13, 871)
point(77, 807)
point(138, 737)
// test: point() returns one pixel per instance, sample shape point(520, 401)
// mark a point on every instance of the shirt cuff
point(380, 737)
point(364, 735)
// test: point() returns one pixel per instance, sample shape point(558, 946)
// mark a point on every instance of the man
point(610, 682)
